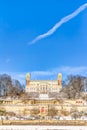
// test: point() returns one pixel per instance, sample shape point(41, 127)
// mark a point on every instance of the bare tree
point(9, 87)
point(52, 112)
point(73, 87)
point(35, 112)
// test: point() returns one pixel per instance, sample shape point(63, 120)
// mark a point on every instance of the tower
point(27, 81)
point(60, 79)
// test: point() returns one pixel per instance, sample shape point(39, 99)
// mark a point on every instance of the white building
point(43, 86)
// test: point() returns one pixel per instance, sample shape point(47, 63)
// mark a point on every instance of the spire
point(27, 78)
point(59, 79)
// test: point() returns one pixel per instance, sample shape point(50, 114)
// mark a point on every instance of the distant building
point(43, 86)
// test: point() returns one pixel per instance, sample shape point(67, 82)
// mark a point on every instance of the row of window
point(42, 89)
point(79, 102)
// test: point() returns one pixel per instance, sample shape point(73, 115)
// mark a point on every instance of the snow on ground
point(28, 117)
point(43, 128)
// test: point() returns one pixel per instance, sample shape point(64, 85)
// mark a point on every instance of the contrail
point(58, 24)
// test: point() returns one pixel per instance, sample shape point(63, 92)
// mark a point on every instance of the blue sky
point(65, 51)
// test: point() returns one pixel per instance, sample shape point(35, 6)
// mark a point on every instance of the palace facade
point(43, 98)
point(43, 86)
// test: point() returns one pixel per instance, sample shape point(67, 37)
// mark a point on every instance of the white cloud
point(72, 70)
point(21, 75)
point(49, 74)
point(62, 21)
point(65, 70)
point(16, 75)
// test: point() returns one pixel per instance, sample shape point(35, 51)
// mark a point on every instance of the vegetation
point(65, 113)
point(73, 87)
point(35, 112)
point(52, 112)
point(75, 113)
point(26, 112)
point(10, 87)
point(3, 112)
point(84, 97)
